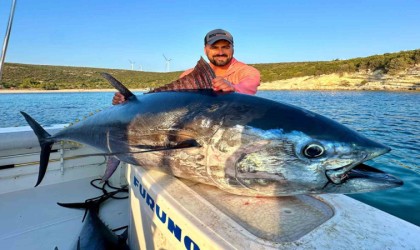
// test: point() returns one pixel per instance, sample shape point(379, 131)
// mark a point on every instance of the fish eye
point(313, 150)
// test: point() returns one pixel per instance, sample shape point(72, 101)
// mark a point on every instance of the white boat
point(164, 212)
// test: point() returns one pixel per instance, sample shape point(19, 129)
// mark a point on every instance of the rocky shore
point(408, 80)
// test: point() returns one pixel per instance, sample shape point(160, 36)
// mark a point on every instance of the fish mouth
point(338, 175)
point(361, 171)
point(342, 174)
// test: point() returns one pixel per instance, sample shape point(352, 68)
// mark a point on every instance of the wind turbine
point(132, 64)
point(168, 61)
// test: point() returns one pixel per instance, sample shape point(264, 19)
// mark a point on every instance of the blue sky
point(109, 33)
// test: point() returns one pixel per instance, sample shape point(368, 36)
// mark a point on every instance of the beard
point(220, 60)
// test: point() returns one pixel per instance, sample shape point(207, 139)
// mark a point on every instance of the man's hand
point(118, 98)
point(221, 84)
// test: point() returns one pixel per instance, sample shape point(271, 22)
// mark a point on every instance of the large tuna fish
point(242, 144)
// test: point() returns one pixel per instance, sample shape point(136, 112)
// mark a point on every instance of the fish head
point(316, 156)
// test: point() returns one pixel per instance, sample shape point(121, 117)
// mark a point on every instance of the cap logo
point(217, 34)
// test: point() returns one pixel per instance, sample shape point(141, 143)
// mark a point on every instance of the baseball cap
point(216, 35)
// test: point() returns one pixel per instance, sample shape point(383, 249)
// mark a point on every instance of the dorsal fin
point(118, 85)
point(199, 79)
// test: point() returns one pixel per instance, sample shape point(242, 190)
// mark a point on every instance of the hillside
point(391, 71)
point(404, 80)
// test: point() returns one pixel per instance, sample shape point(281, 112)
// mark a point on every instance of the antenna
point(167, 62)
point(132, 64)
point(6, 37)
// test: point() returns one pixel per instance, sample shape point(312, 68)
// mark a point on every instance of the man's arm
point(248, 79)
point(248, 85)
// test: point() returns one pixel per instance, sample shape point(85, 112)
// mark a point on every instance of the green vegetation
point(24, 76)
point(388, 63)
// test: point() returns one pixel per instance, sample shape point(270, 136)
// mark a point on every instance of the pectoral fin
point(113, 162)
point(111, 165)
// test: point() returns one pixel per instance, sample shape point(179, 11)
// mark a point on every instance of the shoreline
point(261, 88)
point(29, 91)
point(407, 81)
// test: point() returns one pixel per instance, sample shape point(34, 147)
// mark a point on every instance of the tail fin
point(45, 141)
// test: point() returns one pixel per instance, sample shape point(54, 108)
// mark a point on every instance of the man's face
point(220, 53)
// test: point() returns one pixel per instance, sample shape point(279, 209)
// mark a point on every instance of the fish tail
point(45, 141)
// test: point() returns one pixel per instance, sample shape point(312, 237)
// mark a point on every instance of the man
point(231, 75)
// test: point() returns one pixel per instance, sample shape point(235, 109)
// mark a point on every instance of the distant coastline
point(409, 82)
point(406, 80)
point(19, 91)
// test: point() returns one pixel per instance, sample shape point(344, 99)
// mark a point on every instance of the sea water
point(392, 118)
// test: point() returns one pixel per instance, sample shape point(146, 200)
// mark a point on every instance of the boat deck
point(39, 223)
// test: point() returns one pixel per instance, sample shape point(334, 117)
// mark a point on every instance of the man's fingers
point(118, 98)
point(219, 83)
